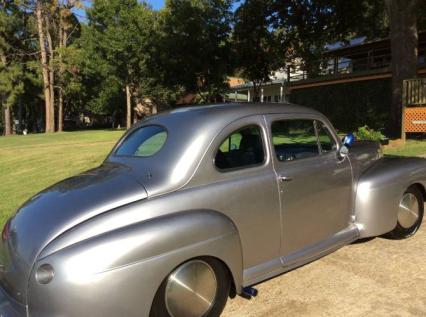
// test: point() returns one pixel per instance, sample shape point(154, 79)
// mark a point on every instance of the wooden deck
point(346, 78)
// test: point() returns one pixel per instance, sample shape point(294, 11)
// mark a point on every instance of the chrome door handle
point(285, 178)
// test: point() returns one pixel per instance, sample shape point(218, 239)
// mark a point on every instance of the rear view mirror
point(348, 140)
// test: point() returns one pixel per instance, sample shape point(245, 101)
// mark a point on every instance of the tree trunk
point(135, 116)
point(62, 44)
point(404, 45)
point(45, 68)
point(7, 121)
point(51, 71)
point(60, 110)
point(5, 109)
point(256, 91)
point(154, 109)
point(128, 107)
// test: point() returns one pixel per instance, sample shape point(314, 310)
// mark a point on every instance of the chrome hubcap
point(191, 290)
point(408, 210)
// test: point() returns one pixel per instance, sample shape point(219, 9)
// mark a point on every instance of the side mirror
point(348, 140)
point(343, 151)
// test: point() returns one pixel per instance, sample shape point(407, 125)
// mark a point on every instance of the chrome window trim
point(316, 121)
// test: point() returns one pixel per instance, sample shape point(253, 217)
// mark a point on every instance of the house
point(361, 60)
point(351, 84)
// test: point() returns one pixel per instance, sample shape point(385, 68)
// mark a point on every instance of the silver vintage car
point(197, 205)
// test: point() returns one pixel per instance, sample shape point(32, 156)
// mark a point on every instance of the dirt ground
point(375, 278)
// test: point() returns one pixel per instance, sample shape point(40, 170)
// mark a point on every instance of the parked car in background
point(198, 204)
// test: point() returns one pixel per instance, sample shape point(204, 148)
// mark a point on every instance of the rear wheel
point(410, 214)
point(197, 288)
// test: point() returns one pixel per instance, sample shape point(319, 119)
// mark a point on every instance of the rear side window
point(294, 139)
point(242, 148)
point(143, 142)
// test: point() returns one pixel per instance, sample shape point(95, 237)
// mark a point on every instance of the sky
point(156, 4)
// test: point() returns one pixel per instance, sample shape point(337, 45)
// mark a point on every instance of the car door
point(314, 182)
point(238, 174)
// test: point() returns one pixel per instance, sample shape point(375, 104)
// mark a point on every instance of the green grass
point(30, 163)
point(411, 148)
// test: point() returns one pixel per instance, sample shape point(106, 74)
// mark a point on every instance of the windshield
point(143, 142)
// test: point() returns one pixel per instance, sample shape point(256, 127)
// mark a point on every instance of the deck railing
point(334, 67)
point(414, 92)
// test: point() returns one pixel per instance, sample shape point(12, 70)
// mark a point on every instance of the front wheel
point(197, 288)
point(410, 214)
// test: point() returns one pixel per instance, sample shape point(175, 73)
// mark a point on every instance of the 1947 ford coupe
point(199, 204)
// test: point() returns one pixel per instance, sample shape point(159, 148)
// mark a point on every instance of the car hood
point(56, 210)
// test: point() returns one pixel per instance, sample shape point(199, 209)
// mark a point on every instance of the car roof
point(249, 108)
point(220, 115)
point(190, 132)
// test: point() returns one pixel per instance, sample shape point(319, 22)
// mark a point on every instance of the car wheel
point(410, 214)
point(197, 288)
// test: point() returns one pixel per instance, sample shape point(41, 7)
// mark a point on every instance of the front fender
point(119, 272)
point(379, 191)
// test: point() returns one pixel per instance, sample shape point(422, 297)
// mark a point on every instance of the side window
point(325, 137)
point(242, 148)
point(294, 139)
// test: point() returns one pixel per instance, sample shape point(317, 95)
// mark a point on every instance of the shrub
point(365, 133)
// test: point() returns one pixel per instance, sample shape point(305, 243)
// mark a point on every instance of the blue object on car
point(348, 140)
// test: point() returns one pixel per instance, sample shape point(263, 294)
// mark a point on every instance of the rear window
point(144, 142)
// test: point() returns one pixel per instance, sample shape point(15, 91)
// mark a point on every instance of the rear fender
point(379, 191)
point(125, 267)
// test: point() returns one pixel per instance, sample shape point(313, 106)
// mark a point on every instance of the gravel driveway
point(375, 278)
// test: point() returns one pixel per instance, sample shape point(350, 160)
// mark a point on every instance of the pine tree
point(11, 66)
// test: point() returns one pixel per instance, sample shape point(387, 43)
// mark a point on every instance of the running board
point(322, 248)
point(287, 263)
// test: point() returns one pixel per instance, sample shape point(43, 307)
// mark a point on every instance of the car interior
point(241, 148)
point(294, 139)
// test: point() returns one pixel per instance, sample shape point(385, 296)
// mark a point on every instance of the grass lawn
point(411, 148)
point(30, 163)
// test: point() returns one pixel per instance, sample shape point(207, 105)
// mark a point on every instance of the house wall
point(270, 93)
point(350, 105)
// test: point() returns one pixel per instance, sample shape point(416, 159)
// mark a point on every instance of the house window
point(277, 98)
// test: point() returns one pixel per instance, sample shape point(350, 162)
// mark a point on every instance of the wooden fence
point(414, 92)
point(414, 106)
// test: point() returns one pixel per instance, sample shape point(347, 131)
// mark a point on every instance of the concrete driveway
point(375, 278)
